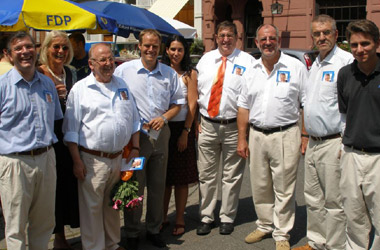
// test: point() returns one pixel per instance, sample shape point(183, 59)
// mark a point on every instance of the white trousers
point(99, 222)
point(326, 221)
point(27, 189)
point(360, 188)
point(218, 142)
point(273, 163)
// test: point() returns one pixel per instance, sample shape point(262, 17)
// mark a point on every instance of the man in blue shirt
point(29, 105)
point(158, 97)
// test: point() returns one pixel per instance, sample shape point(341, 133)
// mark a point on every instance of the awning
point(167, 8)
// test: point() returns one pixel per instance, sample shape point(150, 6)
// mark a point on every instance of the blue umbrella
point(131, 19)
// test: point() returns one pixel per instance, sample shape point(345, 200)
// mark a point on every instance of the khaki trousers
point(27, 189)
point(218, 142)
point(360, 188)
point(326, 221)
point(153, 176)
point(99, 222)
point(273, 169)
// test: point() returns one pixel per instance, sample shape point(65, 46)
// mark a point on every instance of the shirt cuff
point(71, 137)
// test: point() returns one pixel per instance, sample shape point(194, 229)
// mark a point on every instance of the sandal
point(164, 225)
point(176, 229)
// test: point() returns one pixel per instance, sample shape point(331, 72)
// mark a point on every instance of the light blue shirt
point(100, 116)
point(27, 112)
point(155, 90)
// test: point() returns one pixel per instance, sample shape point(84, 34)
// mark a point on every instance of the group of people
point(60, 134)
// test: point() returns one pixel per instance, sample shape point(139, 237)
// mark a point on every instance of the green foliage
point(344, 46)
point(197, 47)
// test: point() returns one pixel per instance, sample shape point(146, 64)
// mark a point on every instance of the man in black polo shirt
point(359, 103)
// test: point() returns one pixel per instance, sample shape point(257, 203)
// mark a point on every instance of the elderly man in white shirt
point(271, 106)
point(100, 118)
point(158, 97)
point(218, 130)
point(326, 221)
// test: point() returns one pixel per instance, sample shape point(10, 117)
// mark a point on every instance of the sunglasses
point(57, 47)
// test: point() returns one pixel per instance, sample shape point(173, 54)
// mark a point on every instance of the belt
point(327, 137)
point(366, 150)
point(272, 130)
point(100, 153)
point(34, 152)
point(223, 122)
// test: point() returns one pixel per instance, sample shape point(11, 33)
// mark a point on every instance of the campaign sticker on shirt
point(48, 96)
point(123, 94)
point(328, 76)
point(283, 76)
point(238, 70)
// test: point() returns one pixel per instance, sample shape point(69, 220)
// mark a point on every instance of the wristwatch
point(187, 129)
point(164, 118)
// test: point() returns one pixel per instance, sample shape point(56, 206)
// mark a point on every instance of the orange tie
point(216, 90)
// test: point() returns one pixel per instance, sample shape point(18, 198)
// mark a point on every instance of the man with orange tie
point(271, 108)
point(219, 87)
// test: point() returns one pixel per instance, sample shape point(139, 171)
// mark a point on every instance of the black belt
point(100, 153)
point(226, 121)
point(34, 152)
point(366, 150)
point(327, 137)
point(272, 130)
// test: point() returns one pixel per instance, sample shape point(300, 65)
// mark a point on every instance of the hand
point(133, 154)
point(304, 142)
point(79, 170)
point(182, 141)
point(242, 149)
point(156, 123)
point(62, 91)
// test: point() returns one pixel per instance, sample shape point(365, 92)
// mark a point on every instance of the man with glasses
point(99, 122)
point(271, 108)
point(326, 221)
point(29, 104)
point(158, 96)
point(219, 88)
point(359, 104)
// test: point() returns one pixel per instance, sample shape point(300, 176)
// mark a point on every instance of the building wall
point(293, 23)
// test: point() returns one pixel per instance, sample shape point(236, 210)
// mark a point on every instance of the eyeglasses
point(57, 47)
point(103, 61)
point(228, 36)
point(18, 49)
point(318, 33)
point(267, 38)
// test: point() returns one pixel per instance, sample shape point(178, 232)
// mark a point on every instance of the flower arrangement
point(124, 193)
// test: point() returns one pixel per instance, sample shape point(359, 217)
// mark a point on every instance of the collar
point(280, 63)
point(16, 77)
point(141, 69)
point(91, 81)
point(357, 70)
point(330, 58)
point(230, 57)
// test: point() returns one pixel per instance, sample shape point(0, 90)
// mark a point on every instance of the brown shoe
point(282, 245)
point(256, 236)
point(305, 247)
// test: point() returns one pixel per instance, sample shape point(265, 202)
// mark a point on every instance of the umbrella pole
point(115, 45)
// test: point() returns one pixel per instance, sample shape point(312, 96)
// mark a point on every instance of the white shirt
point(154, 91)
point(272, 103)
point(321, 113)
point(207, 69)
point(100, 116)
point(181, 116)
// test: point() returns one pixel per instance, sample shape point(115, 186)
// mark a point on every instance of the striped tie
point(216, 90)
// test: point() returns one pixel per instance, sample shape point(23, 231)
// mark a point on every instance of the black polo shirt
point(359, 99)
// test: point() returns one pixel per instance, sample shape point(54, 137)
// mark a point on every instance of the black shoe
point(156, 240)
point(226, 228)
point(205, 228)
point(132, 243)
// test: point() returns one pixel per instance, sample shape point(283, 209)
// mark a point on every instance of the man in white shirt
point(326, 220)
point(271, 107)
point(158, 97)
point(218, 130)
point(99, 121)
